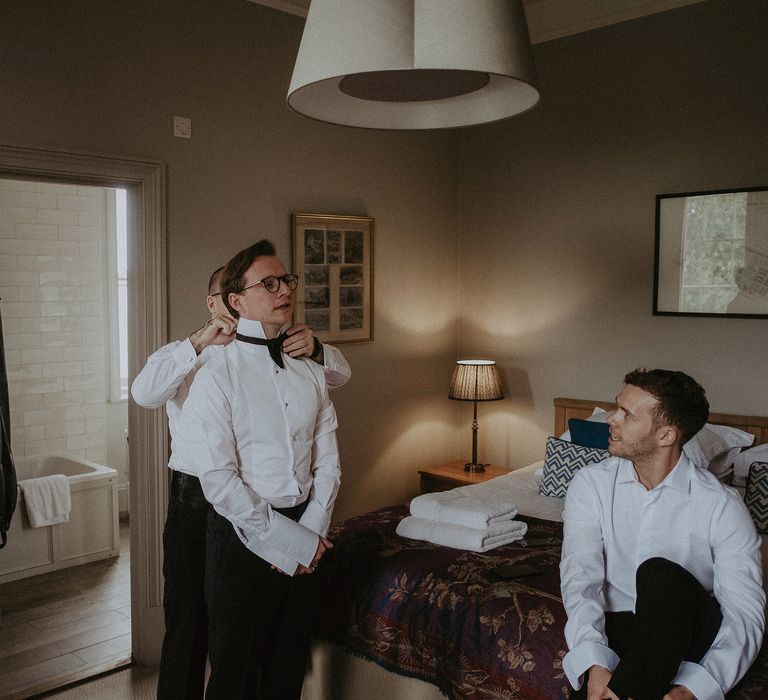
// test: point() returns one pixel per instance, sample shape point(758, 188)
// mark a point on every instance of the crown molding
point(293, 7)
point(549, 19)
point(554, 19)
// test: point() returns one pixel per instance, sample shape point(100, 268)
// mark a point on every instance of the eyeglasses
point(272, 283)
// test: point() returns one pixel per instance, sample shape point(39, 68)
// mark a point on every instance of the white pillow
point(599, 415)
point(715, 447)
point(743, 460)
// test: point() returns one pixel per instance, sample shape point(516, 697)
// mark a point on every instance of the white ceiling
point(550, 19)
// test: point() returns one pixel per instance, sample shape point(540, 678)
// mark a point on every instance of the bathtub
point(92, 531)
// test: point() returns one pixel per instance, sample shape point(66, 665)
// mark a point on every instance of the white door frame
point(147, 331)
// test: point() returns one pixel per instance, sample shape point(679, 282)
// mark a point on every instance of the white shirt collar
point(252, 329)
point(679, 478)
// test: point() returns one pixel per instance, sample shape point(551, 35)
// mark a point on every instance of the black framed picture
point(711, 256)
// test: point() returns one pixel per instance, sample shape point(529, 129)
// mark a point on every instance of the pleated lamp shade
point(414, 64)
point(475, 380)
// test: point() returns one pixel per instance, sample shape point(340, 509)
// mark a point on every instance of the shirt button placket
point(645, 528)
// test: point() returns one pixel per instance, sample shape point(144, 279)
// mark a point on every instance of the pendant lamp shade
point(414, 64)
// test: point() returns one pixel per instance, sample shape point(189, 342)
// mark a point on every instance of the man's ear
point(209, 303)
point(667, 435)
point(236, 302)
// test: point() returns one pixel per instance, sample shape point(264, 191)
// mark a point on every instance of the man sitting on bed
point(661, 574)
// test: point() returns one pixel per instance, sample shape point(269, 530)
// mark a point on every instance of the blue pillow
point(589, 433)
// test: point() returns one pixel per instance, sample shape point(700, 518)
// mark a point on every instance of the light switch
point(182, 127)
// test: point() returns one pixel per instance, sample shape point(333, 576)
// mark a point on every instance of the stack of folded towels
point(477, 517)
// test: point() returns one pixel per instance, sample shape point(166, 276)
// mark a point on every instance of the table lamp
point(475, 380)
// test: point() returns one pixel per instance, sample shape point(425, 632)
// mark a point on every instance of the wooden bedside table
point(451, 475)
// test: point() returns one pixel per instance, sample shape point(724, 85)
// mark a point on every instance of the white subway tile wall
point(52, 261)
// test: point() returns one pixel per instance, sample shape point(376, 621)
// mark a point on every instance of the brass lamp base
point(469, 467)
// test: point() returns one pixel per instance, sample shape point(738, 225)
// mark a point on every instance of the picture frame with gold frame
point(333, 258)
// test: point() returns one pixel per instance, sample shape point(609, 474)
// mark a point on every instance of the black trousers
point(185, 645)
point(675, 620)
point(260, 620)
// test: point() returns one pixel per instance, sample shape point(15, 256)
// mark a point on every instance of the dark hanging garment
point(7, 469)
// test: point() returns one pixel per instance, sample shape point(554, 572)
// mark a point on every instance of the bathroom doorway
point(65, 588)
point(144, 491)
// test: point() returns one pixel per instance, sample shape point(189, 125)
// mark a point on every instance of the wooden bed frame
point(580, 408)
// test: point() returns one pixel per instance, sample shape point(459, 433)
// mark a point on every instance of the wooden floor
point(132, 683)
point(66, 625)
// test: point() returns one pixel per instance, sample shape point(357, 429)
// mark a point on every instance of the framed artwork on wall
point(333, 257)
point(711, 255)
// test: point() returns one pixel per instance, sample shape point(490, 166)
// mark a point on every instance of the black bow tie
point(274, 345)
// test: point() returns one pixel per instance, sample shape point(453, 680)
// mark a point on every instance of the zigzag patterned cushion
point(756, 495)
point(561, 461)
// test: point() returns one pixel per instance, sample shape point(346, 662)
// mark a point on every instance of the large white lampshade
point(414, 64)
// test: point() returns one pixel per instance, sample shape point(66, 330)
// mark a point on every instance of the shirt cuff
point(184, 354)
point(699, 681)
point(292, 539)
point(268, 554)
point(585, 655)
point(316, 518)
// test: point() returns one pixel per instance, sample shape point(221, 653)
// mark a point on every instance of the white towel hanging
point(47, 499)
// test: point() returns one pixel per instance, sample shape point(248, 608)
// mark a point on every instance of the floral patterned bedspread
point(437, 614)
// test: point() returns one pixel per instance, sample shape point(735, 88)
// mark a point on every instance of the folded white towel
point(460, 507)
point(47, 499)
point(460, 537)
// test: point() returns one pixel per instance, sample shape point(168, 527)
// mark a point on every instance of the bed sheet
point(522, 485)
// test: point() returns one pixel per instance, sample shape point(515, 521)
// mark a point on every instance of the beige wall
point(547, 251)
point(109, 77)
point(558, 215)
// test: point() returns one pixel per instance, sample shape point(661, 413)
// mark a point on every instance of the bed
point(407, 619)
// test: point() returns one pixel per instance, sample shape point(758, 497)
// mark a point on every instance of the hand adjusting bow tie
point(274, 345)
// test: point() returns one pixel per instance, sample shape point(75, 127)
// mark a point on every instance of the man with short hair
point(165, 380)
point(661, 574)
point(260, 433)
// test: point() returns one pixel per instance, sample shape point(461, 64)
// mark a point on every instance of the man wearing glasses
point(260, 432)
point(165, 380)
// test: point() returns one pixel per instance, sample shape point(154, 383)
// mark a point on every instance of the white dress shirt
point(260, 437)
point(613, 524)
point(335, 367)
point(169, 373)
point(166, 379)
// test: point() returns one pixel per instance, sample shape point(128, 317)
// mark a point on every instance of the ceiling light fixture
point(414, 64)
